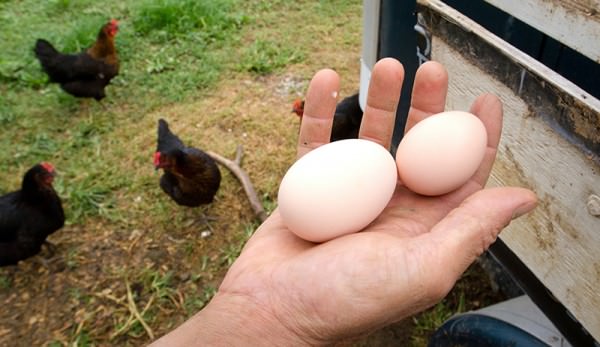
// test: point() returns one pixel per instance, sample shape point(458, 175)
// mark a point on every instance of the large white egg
point(337, 189)
point(441, 152)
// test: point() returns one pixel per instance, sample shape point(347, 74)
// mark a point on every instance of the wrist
point(232, 320)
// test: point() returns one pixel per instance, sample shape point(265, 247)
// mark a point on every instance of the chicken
point(29, 215)
point(191, 177)
point(86, 74)
point(346, 120)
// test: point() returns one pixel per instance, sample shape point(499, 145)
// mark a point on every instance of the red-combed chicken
point(346, 120)
point(191, 177)
point(85, 74)
point(29, 215)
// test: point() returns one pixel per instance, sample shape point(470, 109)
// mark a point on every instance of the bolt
point(593, 205)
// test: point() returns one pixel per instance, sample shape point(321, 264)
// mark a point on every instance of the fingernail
point(524, 208)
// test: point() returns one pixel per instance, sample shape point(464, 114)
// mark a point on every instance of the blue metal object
point(477, 330)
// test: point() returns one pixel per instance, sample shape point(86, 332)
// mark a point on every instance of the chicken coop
point(542, 58)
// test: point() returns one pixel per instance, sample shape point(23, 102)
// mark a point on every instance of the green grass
point(195, 302)
point(427, 322)
point(38, 121)
point(203, 20)
point(170, 50)
point(5, 282)
point(232, 250)
point(264, 56)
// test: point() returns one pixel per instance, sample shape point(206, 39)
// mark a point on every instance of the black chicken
point(85, 74)
point(346, 120)
point(191, 177)
point(29, 215)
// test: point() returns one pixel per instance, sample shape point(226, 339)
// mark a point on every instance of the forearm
point(230, 321)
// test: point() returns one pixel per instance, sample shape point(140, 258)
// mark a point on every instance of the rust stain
point(588, 8)
point(545, 228)
point(566, 227)
point(508, 169)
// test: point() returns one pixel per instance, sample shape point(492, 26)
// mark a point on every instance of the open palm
point(283, 290)
point(408, 258)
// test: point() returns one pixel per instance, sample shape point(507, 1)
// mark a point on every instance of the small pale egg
point(441, 152)
point(337, 189)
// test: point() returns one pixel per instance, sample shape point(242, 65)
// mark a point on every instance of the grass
point(223, 73)
point(431, 319)
point(4, 282)
point(46, 131)
point(264, 56)
point(232, 250)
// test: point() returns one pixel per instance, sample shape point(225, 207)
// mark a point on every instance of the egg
point(337, 189)
point(441, 152)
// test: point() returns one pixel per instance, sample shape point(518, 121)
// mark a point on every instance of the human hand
point(283, 290)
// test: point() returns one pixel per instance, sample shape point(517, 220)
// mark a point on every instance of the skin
point(285, 291)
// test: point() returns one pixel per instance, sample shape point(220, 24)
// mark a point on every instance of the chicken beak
point(49, 179)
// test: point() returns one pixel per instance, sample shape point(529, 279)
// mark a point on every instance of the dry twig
point(136, 313)
point(132, 319)
point(242, 176)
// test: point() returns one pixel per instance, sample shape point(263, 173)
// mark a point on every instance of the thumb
point(467, 231)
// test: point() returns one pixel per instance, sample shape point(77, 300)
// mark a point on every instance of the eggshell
point(441, 152)
point(337, 189)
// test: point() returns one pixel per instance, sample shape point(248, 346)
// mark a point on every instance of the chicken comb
point(47, 166)
point(113, 26)
point(298, 107)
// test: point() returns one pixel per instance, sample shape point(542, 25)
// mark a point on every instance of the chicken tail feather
point(166, 139)
point(44, 51)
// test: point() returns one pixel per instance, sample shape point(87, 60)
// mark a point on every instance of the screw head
point(593, 205)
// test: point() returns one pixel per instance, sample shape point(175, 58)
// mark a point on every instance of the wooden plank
point(575, 23)
point(579, 112)
point(559, 242)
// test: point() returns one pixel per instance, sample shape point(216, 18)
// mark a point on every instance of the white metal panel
point(369, 46)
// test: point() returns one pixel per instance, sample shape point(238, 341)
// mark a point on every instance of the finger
point(429, 93)
point(466, 232)
point(488, 108)
point(382, 101)
point(315, 129)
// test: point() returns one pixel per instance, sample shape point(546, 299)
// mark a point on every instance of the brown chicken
point(29, 215)
point(191, 177)
point(86, 74)
point(346, 120)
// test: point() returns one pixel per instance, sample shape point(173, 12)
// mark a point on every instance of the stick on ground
point(242, 176)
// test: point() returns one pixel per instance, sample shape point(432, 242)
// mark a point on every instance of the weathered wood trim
point(574, 23)
point(574, 113)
